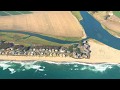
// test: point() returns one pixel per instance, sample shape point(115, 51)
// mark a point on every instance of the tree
point(80, 42)
point(70, 48)
point(78, 50)
point(75, 45)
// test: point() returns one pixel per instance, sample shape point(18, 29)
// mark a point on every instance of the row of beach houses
point(8, 48)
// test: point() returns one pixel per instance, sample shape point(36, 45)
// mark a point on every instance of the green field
point(27, 40)
point(7, 13)
point(65, 38)
point(116, 13)
point(77, 15)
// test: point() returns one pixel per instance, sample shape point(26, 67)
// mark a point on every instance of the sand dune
point(57, 23)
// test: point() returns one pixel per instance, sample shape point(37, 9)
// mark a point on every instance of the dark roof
point(46, 47)
point(26, 48)
point(18, 46)
point(6, 45)
point(2, 41)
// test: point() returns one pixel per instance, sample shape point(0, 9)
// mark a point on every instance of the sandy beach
point(101, 53)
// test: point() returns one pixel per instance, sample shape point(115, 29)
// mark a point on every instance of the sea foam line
point(101, 67)
point(23, 66)
point(33, 65)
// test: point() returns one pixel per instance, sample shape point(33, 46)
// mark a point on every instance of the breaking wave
point(14, 66)
point(97, 67)
point(101, 67)
point(17, 66)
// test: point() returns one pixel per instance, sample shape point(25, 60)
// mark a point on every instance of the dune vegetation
point(77, 15)
point(116, 13)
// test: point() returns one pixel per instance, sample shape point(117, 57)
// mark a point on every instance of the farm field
point(55, 23)
point(116, 13)
point(77, 15)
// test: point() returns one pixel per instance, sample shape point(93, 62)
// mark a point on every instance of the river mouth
point(94, 30)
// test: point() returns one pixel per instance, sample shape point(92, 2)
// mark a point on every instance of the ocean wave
point(31, 65)
point(101, 67)
point(11, 66)
point(5, 64)
point(97, 68)
point(12, 70)
point(75, 65)
point(36, 65)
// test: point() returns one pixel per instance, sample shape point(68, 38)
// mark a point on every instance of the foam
point(31, 65)
point(101, 67)
point(97, 67)
point(11, 70)
point(36, 65)
point(75, 65)
point(84, 68)
point(4, 64)
point(45, 74)
point(23, 66)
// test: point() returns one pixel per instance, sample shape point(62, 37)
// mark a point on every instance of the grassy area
point(117, 13)
point(65, 38)
point(26, 40)
point(36, 40)
point(77, 15)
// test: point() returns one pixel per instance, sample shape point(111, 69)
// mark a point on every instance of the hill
point(55, 23)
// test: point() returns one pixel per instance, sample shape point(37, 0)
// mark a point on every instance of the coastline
point(101, 53)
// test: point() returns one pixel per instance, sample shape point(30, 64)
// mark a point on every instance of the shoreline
point(56, 60)
point(101, 53)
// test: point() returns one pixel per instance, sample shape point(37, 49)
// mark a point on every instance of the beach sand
point(101, 53)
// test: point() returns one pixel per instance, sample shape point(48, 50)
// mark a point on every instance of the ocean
point(52, 70)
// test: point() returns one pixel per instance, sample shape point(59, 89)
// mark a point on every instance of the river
point(42, 36)
point(94, 30)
